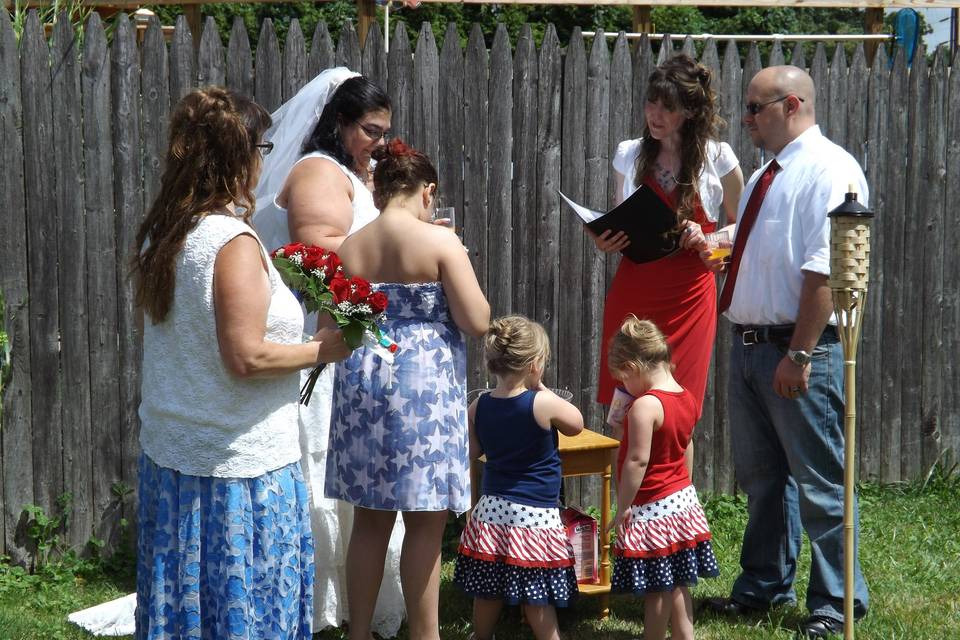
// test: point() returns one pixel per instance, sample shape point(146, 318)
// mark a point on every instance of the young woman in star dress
point(663, 540)
point(398, 437)
point(514, 549)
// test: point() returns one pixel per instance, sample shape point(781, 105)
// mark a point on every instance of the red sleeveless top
point(667, 469)
point(679, 295)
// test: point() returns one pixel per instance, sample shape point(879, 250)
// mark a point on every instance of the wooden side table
point(585, 454)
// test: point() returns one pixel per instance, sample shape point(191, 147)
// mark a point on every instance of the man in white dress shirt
point(786, 364)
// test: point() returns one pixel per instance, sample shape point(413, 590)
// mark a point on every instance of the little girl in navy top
point(663, 541)
point(514, 548)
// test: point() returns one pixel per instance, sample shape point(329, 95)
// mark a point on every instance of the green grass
point(910, 548)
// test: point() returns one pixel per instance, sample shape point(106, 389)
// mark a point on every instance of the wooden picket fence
point(83, 131)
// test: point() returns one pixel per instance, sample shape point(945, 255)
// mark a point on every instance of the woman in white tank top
point(315, 189)
point(222, 351)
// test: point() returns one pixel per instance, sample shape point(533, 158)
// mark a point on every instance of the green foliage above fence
point(564, 18)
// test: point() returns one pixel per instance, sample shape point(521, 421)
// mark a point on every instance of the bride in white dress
point(313, 189)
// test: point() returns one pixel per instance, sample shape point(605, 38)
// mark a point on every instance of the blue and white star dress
point(398, 437)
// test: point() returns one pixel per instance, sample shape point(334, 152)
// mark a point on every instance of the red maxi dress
point(679, 294)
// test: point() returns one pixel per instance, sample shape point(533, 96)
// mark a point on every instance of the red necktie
point(747, 220)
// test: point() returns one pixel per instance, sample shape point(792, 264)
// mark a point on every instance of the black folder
point(650, 224)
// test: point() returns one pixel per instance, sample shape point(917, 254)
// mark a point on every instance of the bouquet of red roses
point(317, 278)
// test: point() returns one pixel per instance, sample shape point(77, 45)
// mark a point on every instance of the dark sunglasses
point(265, 148)
point(374, 132)
point(753, 108)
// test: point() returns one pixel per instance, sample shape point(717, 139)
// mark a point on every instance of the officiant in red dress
point(679, 158)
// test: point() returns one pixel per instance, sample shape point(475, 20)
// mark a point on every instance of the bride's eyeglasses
point(374, 132)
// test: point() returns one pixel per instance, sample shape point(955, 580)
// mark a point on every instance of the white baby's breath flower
point(317, 272)
point(296, 259)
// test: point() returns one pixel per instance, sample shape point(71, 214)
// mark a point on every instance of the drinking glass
point(720, 244)
point(446, 216)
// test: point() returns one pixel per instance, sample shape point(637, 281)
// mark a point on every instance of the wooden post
point(954, 31)
point(872, 25)
point(642, 20)
point(195, 22)
point(605, 573)
point(366, 15)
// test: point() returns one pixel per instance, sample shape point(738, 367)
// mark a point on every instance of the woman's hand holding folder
point(609, 242)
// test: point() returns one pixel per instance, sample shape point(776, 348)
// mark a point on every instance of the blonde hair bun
point(513, 343)
point(639, 344)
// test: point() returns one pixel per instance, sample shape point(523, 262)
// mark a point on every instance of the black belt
point(756, 334)
point(772, 333)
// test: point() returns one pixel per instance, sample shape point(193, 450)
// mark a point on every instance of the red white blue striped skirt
point(516, 553)
point(664, 544)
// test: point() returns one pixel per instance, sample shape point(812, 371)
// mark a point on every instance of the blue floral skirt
point(223, 558)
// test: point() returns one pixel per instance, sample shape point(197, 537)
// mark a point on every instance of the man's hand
point(790, 379)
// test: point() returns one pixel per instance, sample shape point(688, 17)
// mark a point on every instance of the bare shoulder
point(241, 246)
point(239, 259)
point(647, 408)
point(442, 240)
point(550, 410)
point(317, 173)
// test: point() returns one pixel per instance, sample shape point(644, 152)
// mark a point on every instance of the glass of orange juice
point(720, 244)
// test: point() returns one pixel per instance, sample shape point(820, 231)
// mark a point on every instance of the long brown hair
point(681, 83)
point(211, 162)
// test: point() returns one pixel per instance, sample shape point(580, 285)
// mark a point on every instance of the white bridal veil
point(292, 123)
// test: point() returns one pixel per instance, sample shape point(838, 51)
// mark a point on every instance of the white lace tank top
point(197, 418)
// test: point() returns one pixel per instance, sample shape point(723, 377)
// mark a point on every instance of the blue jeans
point(788, 457)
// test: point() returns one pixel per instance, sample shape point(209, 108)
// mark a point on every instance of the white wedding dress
point(331, 520)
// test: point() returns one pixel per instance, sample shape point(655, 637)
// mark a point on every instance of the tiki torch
point(849, 272)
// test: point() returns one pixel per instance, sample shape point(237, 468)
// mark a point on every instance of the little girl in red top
point(663, 541)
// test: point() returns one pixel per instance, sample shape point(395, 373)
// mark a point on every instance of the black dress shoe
point(819, 627)
point(730, 607)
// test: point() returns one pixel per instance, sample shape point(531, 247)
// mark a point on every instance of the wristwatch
point(800, 358)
